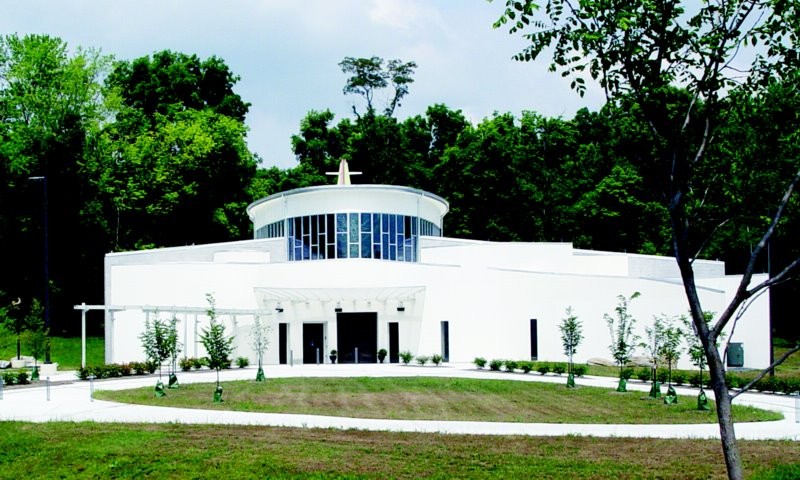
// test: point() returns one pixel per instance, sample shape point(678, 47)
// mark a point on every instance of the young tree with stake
point(623, 340)
point(260, 343)
point(571, 336)
point(218, 346)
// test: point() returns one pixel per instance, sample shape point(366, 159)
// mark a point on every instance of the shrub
point(152, 366)
point(510, 365)
point(125, 369)
point(644, 374)
point(185, 364)
point(436, 359)
point(198, 363)
point(495, 365)
point(242, 362)
point(479, 362)
point(525, 366)
point(678, 378)
point(734, 381)
point(559, 368)
point(422, 359)
point(626, 373)
point(662, 376)
point(791, 385)
point(406, 357)
point(767, 384)
point(579, 370)
point(543, 368)
point(15, 377)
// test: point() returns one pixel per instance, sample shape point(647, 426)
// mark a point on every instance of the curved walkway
point(69, 400)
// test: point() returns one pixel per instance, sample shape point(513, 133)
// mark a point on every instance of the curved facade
point(380, 222)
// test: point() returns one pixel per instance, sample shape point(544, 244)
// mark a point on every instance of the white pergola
point(148, 309)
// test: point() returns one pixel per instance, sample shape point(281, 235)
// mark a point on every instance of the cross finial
point(343, 173)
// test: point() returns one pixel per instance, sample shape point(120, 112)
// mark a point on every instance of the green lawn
point(90, 450)
point(65, 351)
point(419, 398)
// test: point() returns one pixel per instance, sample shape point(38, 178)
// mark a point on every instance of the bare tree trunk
point(727, 434)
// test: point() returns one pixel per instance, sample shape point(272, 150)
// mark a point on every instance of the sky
point(287, 53)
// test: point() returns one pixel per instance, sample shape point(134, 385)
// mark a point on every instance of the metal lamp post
point(46, 267)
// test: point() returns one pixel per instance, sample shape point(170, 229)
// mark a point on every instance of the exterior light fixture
point(401, 307)
point(338, 308)
point(279, 307)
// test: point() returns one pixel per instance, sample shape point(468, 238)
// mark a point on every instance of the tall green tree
point(645, 49)
point(369, 75)
point(173, 168)
point(49, 106)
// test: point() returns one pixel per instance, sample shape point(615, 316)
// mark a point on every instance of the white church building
point(358, 268)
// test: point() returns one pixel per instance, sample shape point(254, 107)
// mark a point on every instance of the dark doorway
point(313, 348)
point(534, 340)
point(394, 343)
point(283, 342)
point(357, 330)
point(446, 341)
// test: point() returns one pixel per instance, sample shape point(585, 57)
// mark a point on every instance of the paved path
point(69, 400)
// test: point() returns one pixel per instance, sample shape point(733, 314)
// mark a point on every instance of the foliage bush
point(422, 359)
point(626, 373)
point(198, 363)
point(479, 362)
point(734, 381)
point(242, 362)
point(580, 370)
point(436, 359)
point(694, 380)
point(406, 357)
point(15, 377)
point(559, 368)
point(510, 365)
point(678, 377)
point(662, 376)
point(644, 374)
point(543, 368)
point(186, 364)
point(495, 365)
point(525, 366)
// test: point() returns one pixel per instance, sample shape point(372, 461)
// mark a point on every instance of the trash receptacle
point(735, 355)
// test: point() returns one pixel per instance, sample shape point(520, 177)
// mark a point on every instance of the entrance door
point(534, 340)
point(283, 343)
point(312, 343)
point(394, 343)
point(357, 330)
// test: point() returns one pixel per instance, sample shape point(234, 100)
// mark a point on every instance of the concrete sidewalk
point(69, 400)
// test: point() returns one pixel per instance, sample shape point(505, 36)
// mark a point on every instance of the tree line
point(152, 152)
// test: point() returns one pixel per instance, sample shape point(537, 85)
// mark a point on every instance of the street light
point(46, 268)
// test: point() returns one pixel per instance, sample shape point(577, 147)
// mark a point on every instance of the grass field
point(89, 450)
point(424, 398)
point(65, 351)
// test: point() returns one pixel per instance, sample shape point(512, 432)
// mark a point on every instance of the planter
point(333, 358)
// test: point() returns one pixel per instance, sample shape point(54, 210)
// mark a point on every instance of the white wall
point(489, 309)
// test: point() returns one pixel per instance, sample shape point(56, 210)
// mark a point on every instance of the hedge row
point(16, 377)
point(527, 366)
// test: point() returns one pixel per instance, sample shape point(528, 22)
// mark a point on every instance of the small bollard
point(796, 407)
point(291, 358)
point(1, 387)
point(91, 388)
point(356, 355)
point(48, 388)
point(318, 357)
